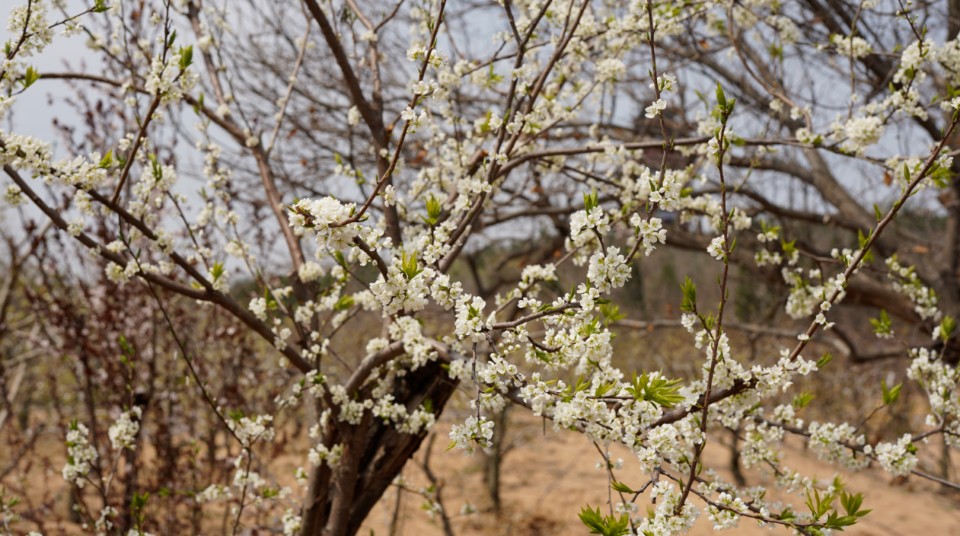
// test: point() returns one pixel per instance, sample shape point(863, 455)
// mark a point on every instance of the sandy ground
point(550, 477)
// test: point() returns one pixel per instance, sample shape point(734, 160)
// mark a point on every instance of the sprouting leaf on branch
point(655, 388)
point(605, 525)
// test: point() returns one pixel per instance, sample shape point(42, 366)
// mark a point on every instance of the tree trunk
point(374, 454)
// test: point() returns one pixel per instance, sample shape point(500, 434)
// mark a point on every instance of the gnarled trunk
point(374, 454)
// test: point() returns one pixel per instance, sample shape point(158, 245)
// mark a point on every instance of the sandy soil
point(551, 476)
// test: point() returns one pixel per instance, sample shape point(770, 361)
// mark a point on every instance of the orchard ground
point(548, 476)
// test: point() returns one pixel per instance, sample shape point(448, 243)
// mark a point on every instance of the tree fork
point(378, 456)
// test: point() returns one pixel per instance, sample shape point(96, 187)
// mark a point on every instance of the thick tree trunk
point(374, 454)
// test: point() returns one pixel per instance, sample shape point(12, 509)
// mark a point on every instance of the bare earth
point(548, 478)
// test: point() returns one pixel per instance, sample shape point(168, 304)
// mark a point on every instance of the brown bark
point(374, 454)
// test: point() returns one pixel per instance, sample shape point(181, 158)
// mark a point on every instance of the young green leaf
point(688, 302)
point(609, 525)
point(29, 77)
point(890, 394)
point(186, 57)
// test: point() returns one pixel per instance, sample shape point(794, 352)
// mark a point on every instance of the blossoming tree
point(355, 159)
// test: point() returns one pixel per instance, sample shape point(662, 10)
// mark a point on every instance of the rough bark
point(374, 454)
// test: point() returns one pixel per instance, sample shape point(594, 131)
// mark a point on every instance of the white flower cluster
point(940, 381)
point(664, 84)
point(30, 20)
point(245, 478)
point(639, 185)
point(534, 273)
point(852, 46)
point(103, 523)
point(500, 373)
point(417, 348)
point(911, 60)
point(716, 248)
point(610, 70)
point(907, 282)
point(584, 224)
point(656, 108)
point(249, 431)
point(403, 420)
point(321, 454)
point(765, 257)
point(124, 431)
point(291, 522)
point(724, 514)
point(80, 455)
point(609, 270)
point(806, 297)
point(858, 133)
point(24, 152)
point(167, 80)
point(323, 216)
point(470, 323)
point(650, 231)
point(400, 293)
point(836, 443)
point(212, 493)
point(898, 458)
point(472, 433)
point(14, 195)
point(665, 521)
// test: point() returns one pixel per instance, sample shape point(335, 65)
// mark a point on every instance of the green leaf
point(890, 394)
point(824, 359)
point(657, 389)
point(125, 346)
point(272, 304)
point(139, 500)
point(434, 208)
point(107, 160)
point(603, 389)
point(217, 271)
point(689, 301)
point(99, 6)
point(818, 504)
point(882, 326)
point(30, 77)
point(852, 502)
point(787, 515)
point(947, 326)
point(345, 302)
point(802, 400)
point(721, 98)
point(604, 525)
point(186, 57)
point(837, 522)
point(409, 265)
point(610, 313)
point(621, 487)
point(590, 201)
